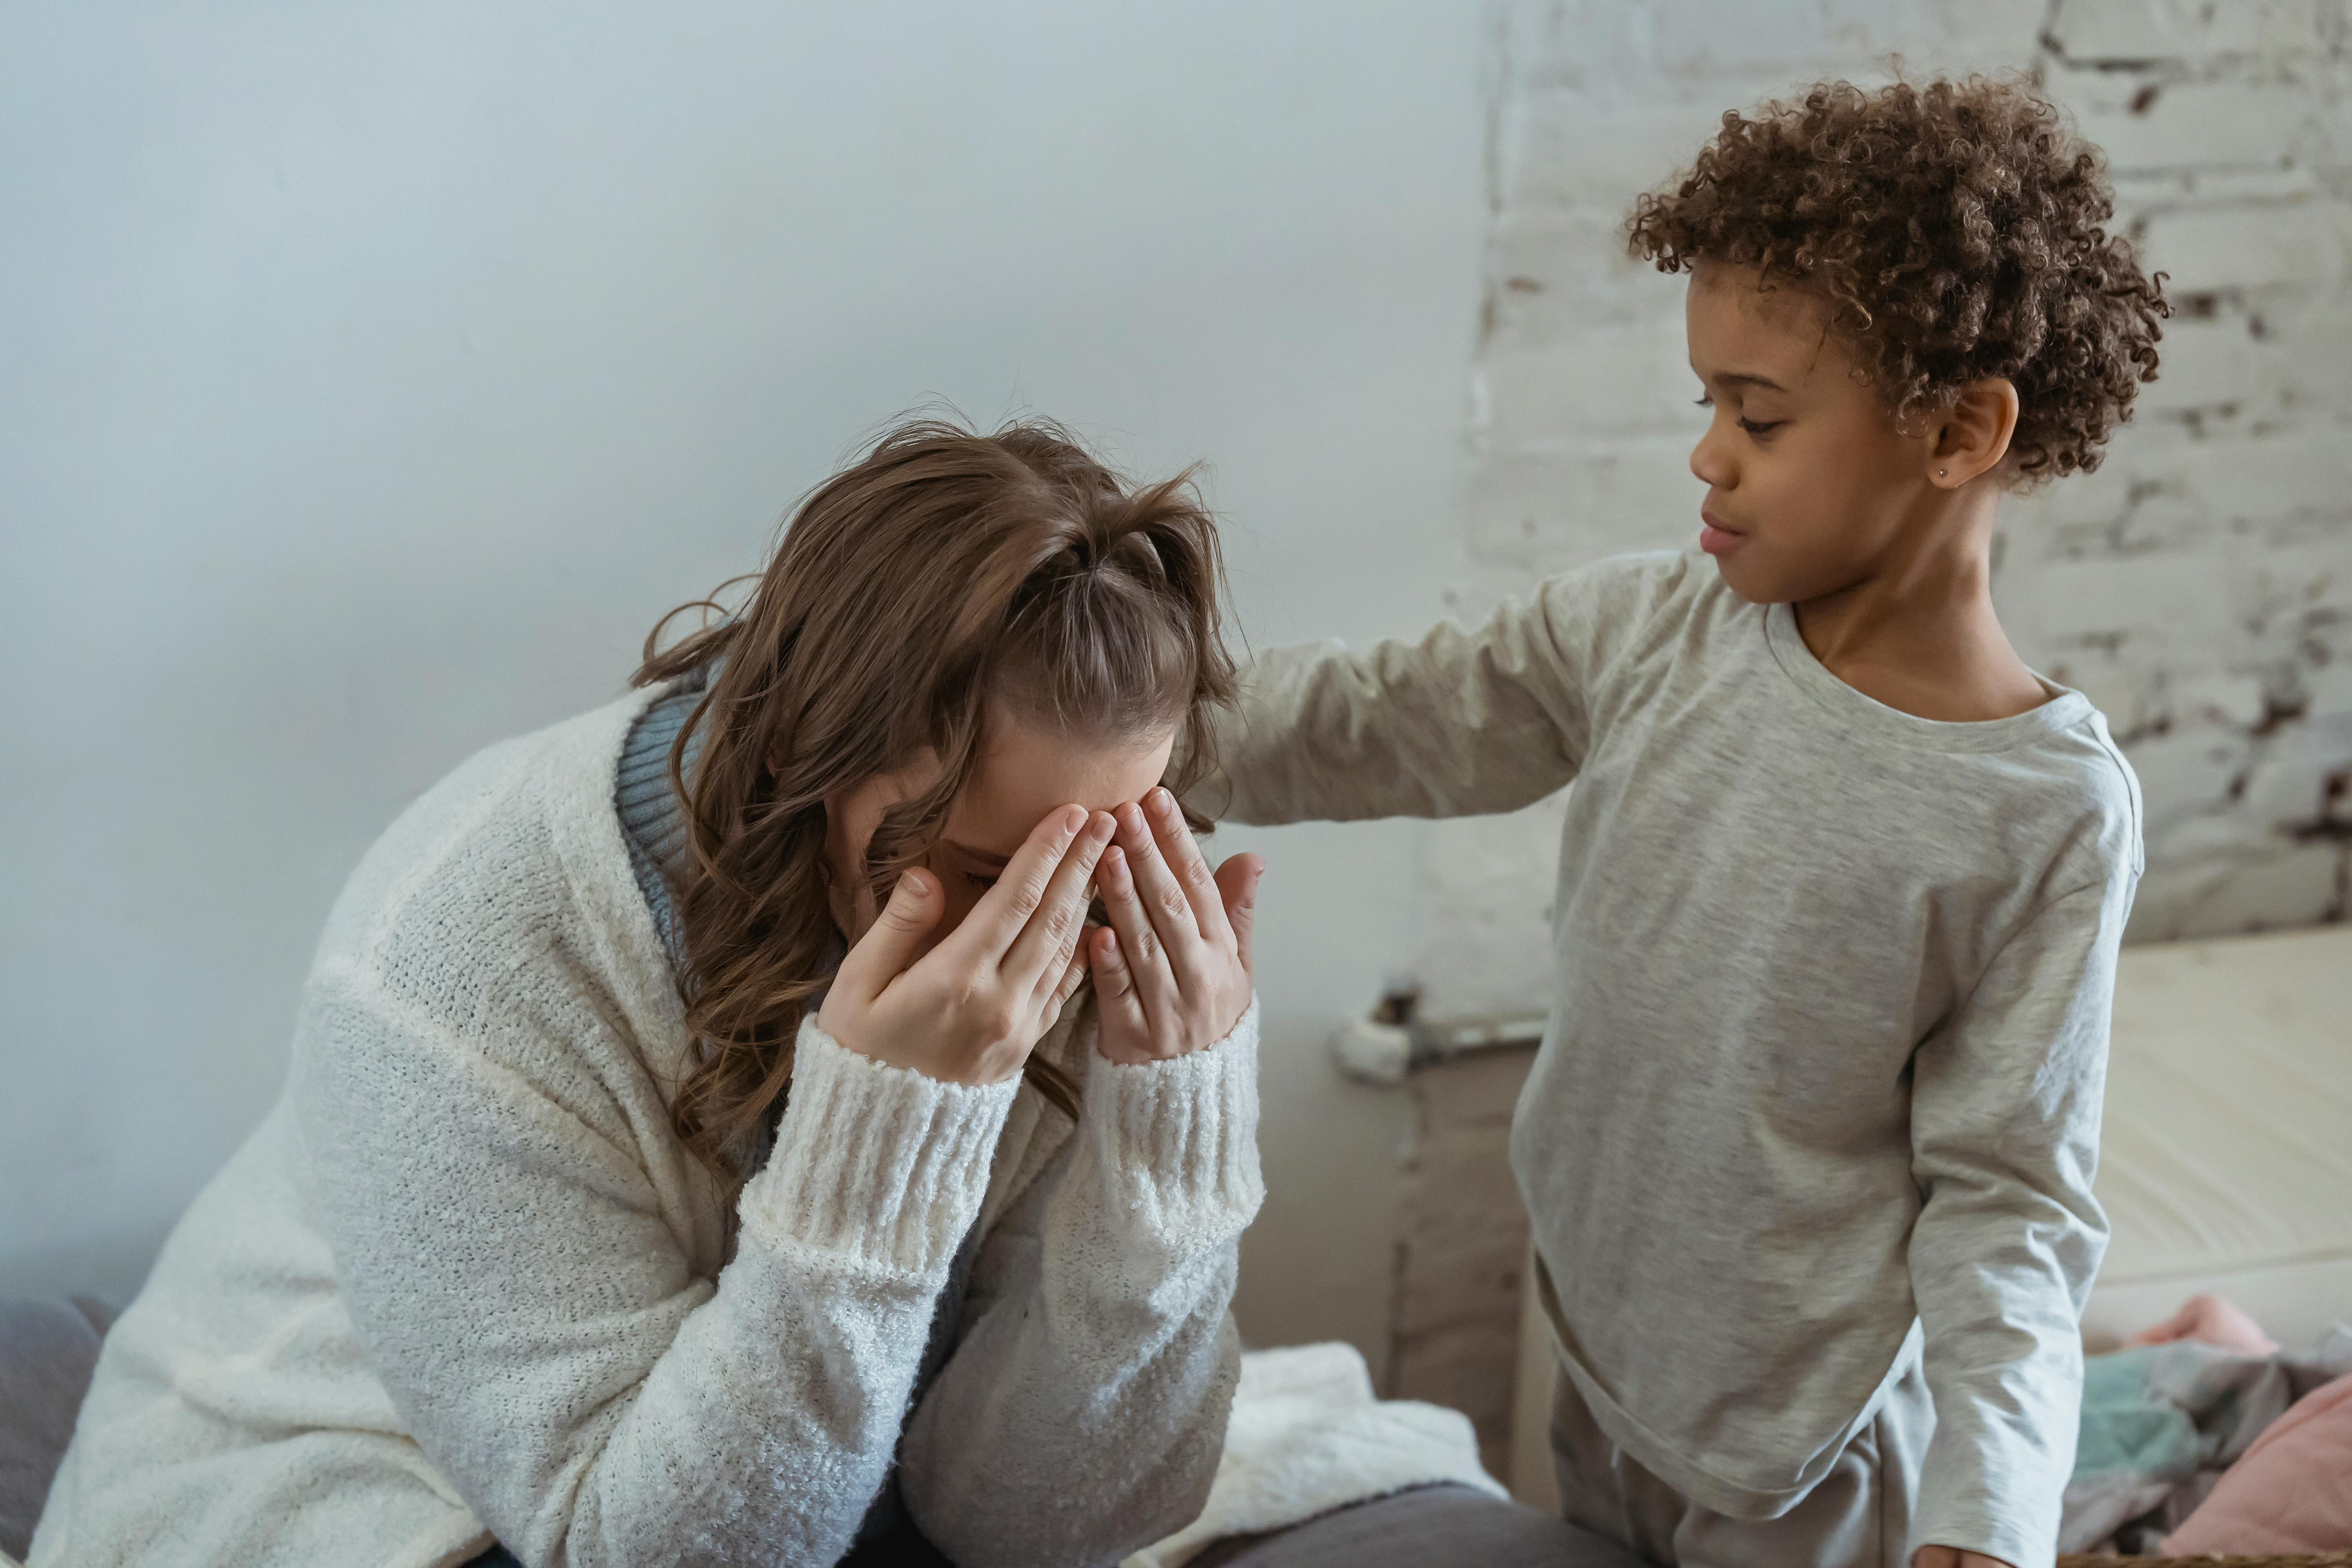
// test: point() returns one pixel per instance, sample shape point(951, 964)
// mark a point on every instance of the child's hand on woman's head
point(1173, 972)
point(969, 1010)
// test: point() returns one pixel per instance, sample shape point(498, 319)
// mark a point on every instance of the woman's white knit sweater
point(464, 1280)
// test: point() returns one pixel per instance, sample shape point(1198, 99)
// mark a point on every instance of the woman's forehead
point(1024, 772)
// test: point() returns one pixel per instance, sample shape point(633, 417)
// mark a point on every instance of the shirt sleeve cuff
point(1177, 1140)
point(877, 1164)
point(2020, 1528)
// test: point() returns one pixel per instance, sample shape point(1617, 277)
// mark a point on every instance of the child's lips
point(1716, 539)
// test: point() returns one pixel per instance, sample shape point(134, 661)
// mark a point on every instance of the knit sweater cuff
point(879, 1164)
point(1178, 1139)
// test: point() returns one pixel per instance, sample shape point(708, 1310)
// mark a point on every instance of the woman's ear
point(1973, 435)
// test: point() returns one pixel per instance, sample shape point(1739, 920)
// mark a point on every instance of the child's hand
point(1953, 1557)
point(969, 1010)
point(1172, 973)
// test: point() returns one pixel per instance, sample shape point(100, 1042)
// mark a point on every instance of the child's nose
point(1710, 462)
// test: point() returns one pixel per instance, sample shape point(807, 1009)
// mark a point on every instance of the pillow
point(2209, 1320)
point(2291, 1491)
point(48, 1347)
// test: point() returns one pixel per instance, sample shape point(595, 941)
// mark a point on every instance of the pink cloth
point(2291, 1492)
point(2209, 1319)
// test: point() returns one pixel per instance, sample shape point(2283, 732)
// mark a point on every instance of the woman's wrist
point(874, 1162)
point(1129, 1052)
point(1177, 1136)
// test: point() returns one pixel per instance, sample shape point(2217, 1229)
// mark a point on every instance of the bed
point(2226, 1159)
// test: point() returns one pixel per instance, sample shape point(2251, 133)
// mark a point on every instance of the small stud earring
point(1941, 472)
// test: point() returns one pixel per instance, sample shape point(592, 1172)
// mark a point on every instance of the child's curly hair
point(1954, 230)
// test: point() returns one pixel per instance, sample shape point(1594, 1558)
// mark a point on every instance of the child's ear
point(1973, 435)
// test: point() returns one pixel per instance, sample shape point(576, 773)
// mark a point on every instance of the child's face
point(1808, 484)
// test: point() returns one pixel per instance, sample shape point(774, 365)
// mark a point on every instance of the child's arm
point(2005, 1121)
point(1458, 723)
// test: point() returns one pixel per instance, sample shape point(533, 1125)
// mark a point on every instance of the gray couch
point(48, 1347)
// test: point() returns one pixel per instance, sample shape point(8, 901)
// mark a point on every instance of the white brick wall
point(2199, 587)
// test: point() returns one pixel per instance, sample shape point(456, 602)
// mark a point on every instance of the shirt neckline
point(2066, 706)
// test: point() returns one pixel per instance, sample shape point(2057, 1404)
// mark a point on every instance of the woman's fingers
point(1165, 902)
point(882, 955)
point(1237, 896)
point(1003, 913)
point(1115, 995)
point(1183, 856)
point(1041, 955)
point(1141, 952)
point(1073, 973)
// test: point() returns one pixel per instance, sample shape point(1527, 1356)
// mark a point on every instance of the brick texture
point(1462, 1248)
point(2199, 587)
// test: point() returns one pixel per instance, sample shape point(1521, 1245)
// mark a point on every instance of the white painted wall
point(372, 377)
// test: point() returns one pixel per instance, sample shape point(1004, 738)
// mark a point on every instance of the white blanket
point(1307, 1436)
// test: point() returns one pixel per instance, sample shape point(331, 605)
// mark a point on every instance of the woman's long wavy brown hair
point(944, 576)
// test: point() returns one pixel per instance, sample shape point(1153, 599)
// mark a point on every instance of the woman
point(699, 1147)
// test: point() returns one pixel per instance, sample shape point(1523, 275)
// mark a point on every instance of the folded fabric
point(1306, 1435)
point(2291, 1491)
point(2159, 1425)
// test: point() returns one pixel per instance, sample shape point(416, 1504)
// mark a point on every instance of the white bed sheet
point(2226, 1159)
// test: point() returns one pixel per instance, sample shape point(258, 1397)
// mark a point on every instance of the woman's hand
point(969, 1010)
point(1172, 973)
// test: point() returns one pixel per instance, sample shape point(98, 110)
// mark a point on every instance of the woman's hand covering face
point(1173, 972)
point(970, 1009)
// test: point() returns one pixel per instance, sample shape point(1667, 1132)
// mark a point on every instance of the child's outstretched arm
point(2005, 1123)
point(1458, 723)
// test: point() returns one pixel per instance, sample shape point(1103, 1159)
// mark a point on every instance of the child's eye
point(1753, 427)
point(977, 880)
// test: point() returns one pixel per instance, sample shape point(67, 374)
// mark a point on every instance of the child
point(1811, 1139)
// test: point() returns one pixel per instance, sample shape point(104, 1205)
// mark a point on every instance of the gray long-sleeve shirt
point(1825, 1062)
